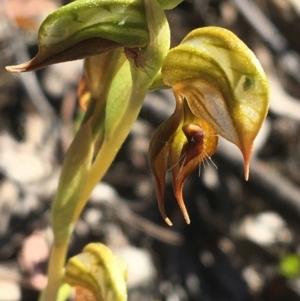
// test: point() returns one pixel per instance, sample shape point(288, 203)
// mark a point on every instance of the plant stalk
point(55, 270)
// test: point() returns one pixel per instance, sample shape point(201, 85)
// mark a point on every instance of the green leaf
point(72, 182)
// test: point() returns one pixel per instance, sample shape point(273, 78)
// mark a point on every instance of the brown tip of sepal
point(178, 194)
point(246, 170)
point(82, 49)
point(163, 213)
point(17, 68)
point(184, 211)
point(187, 218)
point(247, 152)
point(168, 221)
point(161, 202)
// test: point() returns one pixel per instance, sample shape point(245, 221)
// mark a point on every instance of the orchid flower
point(220, 88)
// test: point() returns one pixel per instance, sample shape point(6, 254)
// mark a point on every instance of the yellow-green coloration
point(87, 27)
point(100, 271)
point(289, 266)
point(223, 83)
point(119, 118)
point(72, 182)
point(113, 88)
point(168, 4)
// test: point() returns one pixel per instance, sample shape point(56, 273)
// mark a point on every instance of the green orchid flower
point(220, 88)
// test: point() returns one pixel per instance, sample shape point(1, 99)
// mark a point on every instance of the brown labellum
point(192, 145)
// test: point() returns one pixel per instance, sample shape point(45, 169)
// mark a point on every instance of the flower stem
point(55, 272)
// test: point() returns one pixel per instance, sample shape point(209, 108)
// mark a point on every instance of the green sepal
point(98, 270)
point(88, 27)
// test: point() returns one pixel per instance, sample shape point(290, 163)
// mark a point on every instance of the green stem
point(158, 83)
point(55, 272)
point(109, 150)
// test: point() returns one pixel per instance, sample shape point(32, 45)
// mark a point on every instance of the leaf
point(72, 182)
point(98, 271)
point(88, 27)
point(223, 83)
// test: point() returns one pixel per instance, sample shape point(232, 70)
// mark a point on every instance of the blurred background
point(243, 242)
